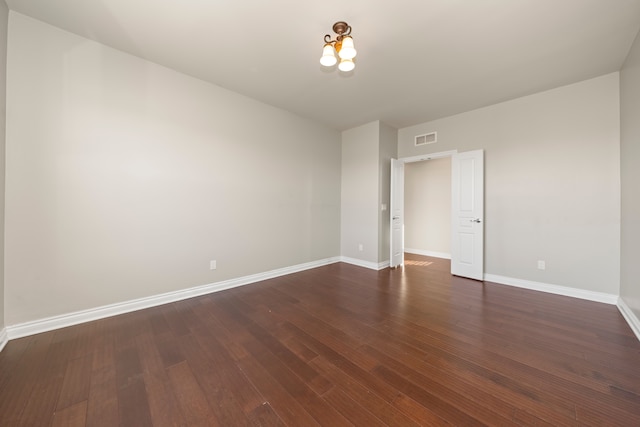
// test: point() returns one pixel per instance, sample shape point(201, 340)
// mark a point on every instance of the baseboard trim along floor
point(64, 320)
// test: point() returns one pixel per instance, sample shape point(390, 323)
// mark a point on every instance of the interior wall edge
point(61, 321)
point(366, 264)
point(629, 316)
point(603, 297)
point(4, 338)
point(434, 254)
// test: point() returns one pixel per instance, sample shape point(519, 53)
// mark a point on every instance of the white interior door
point(467, 212)
point(396, 210)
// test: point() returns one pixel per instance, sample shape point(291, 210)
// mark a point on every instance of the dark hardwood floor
point(337, 345)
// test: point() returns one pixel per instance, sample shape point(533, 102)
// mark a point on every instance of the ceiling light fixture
point(342, 46)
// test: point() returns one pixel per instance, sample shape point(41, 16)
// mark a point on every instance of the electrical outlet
point(541, 265)
point(360, 247)
point(213, 264)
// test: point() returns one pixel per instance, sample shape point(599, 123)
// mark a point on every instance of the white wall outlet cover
point(213, 265)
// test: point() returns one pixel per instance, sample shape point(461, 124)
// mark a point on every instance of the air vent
point(427, 138)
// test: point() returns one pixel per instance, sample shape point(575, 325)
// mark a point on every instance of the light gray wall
point(124, 179)
point(388, 150)
point(360, 194)
point(4, 20)
point(630, 177)
point(427, 207)
point(366, 173)
point(552, 181)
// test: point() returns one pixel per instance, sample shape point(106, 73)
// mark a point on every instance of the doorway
point(467, 211)
point(427, 207)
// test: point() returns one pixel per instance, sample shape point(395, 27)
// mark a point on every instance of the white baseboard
point(69, 319)
point(367, 264)
point(56, 322)
point(4, 338)
point(630, 317)
point(443, 255)
point(554, 289)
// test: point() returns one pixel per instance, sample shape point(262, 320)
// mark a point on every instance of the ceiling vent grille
point(427, 138)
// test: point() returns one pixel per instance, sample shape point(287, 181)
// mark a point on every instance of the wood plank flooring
point(335, 346)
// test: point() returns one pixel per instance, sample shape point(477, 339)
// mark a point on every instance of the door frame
point(429, 156)
point(405, 160)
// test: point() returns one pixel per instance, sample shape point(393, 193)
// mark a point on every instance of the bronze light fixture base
point(341, 28)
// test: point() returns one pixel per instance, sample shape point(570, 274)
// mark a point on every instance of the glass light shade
point(346, 65)
point(347, 51)
point(328, 58)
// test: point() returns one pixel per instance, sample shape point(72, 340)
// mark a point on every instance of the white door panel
point(396, 211)
point(467, 210)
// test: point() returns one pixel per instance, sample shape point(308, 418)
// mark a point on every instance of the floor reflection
point(418, 263)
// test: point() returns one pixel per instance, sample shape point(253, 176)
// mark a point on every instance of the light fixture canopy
point(342, 45)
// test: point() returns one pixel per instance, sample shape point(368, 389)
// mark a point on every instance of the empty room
point(283, 213)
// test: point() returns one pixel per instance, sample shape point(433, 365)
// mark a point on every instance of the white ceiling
point(418, 60)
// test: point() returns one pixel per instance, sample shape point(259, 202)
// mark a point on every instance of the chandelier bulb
point(346, 65)
point(347, 50)
point(328, 58)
